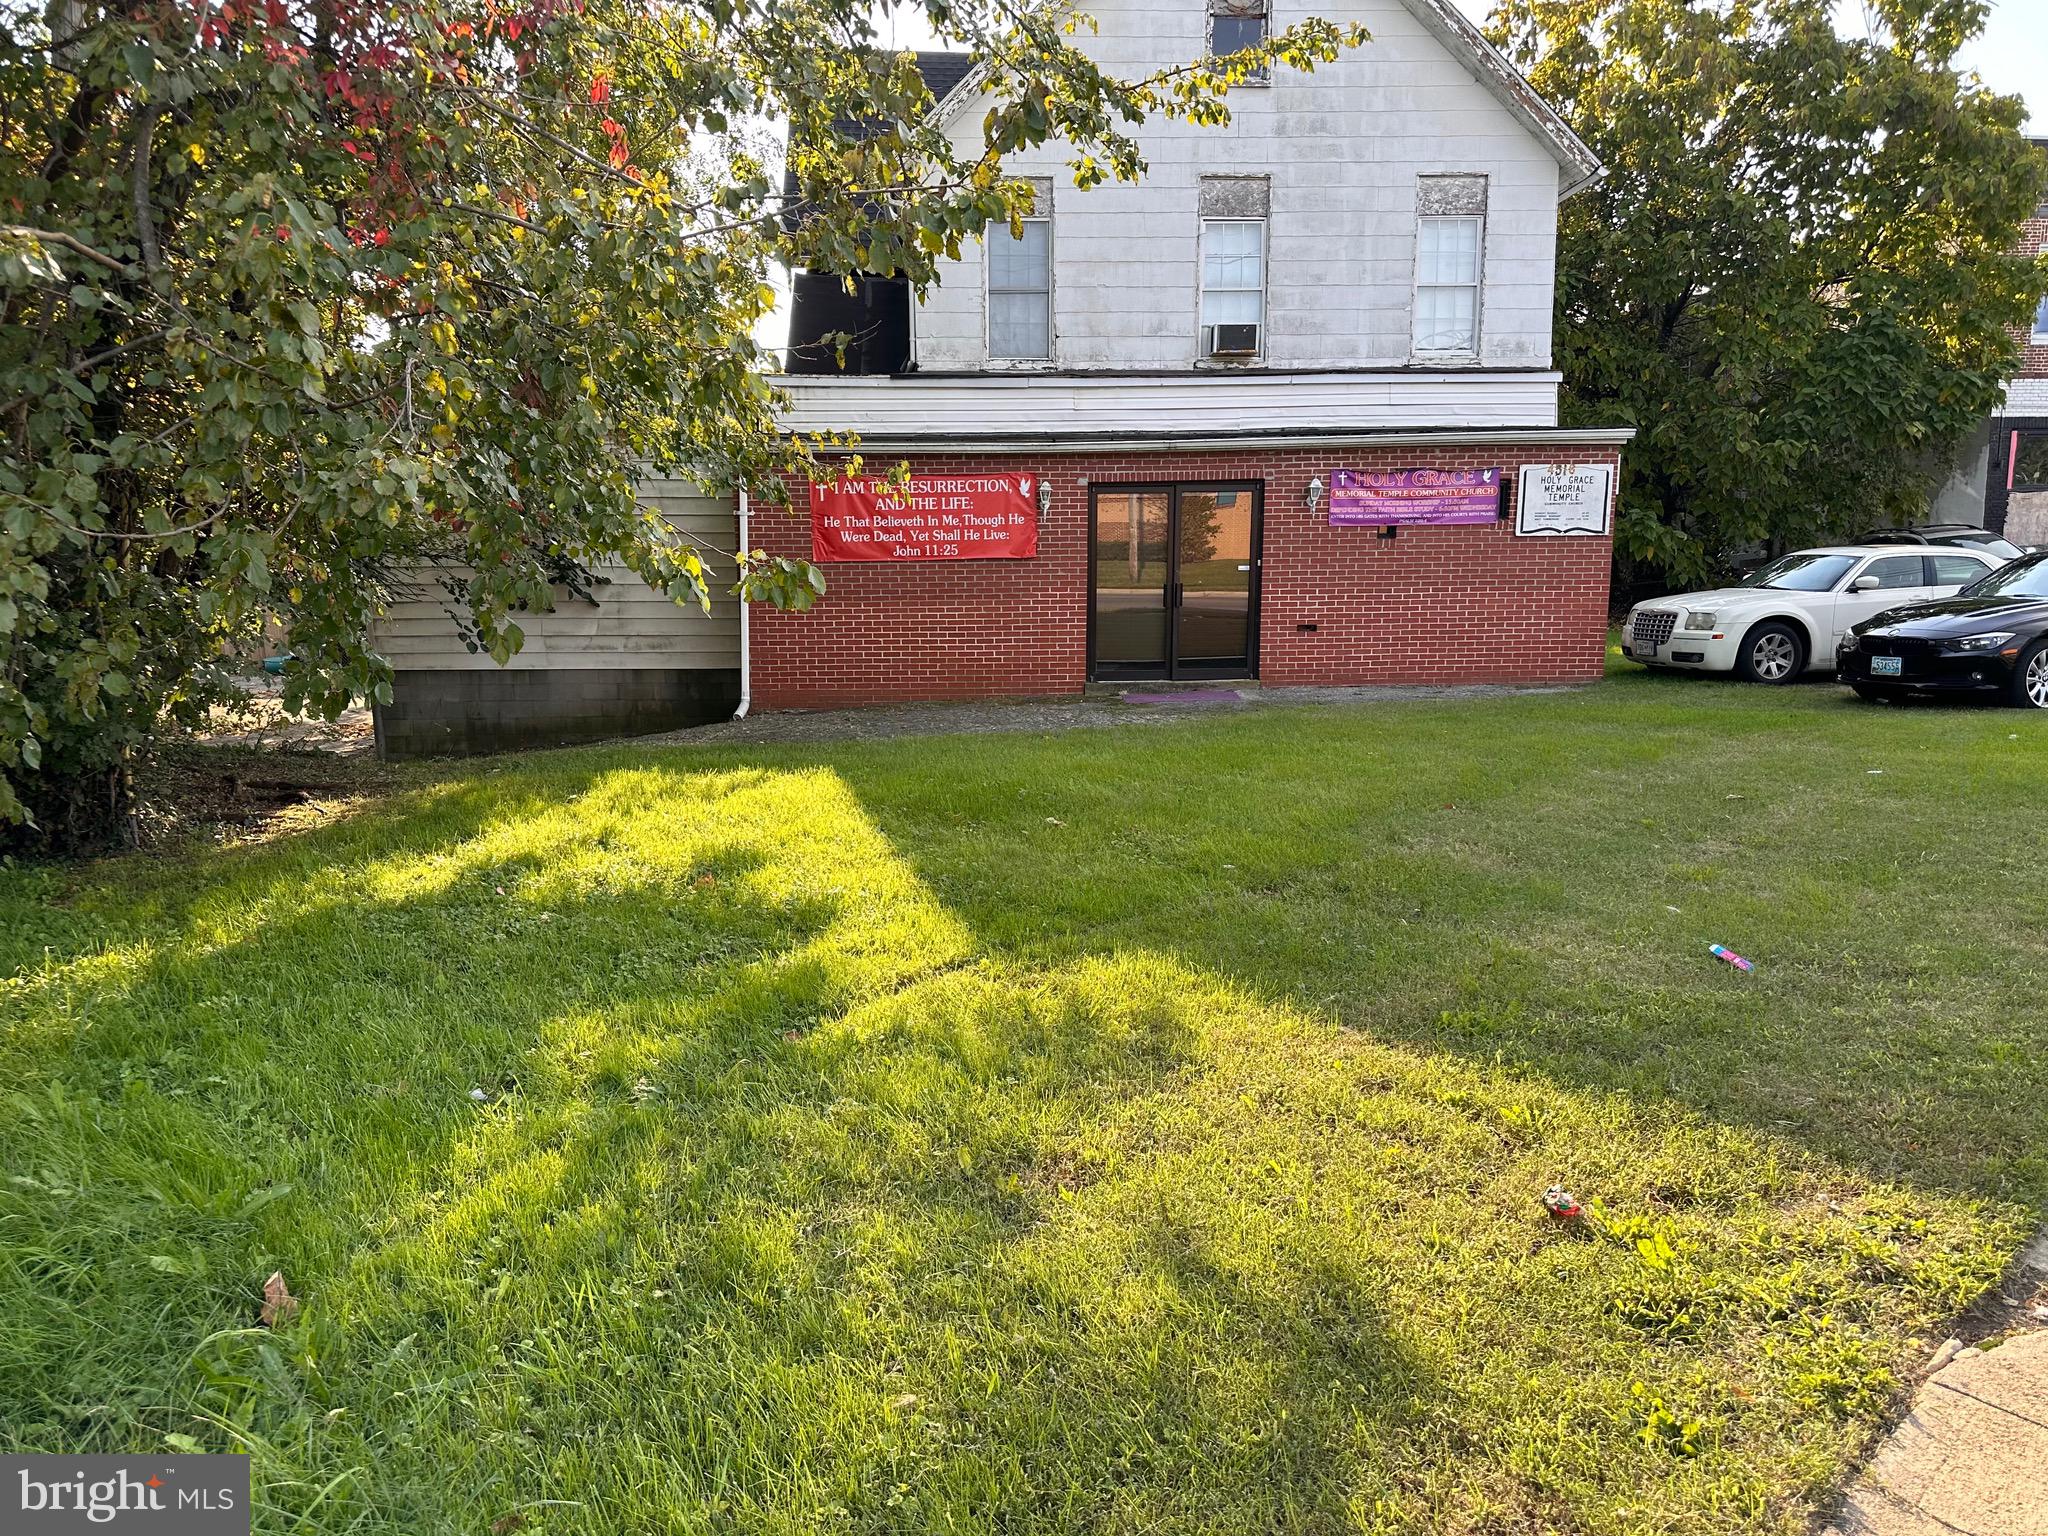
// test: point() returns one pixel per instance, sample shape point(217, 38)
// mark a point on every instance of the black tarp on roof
point(876, 314)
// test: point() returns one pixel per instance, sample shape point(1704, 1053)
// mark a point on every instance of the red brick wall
point(1433, 605)
point(2034, 359)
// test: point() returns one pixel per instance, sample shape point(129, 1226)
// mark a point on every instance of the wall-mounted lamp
point(1315, 492)
point(1044, 495)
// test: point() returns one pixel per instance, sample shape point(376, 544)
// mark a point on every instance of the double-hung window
point(1447, 260)
point(1020, 292)
point(2041, 322)
point(1235, 25)
point(1233, 275)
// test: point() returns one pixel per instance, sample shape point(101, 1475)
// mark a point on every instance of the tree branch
point(85, 365)
point(145, 217)
point(70, 243)
point(499, 214)
point(129, 538)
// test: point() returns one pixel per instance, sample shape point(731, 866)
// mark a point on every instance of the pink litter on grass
point(1722, 952)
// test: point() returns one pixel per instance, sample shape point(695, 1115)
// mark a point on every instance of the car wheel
point(2030, 677)
point(1771, 653)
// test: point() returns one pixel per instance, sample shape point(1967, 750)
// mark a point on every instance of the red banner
point(928, 517)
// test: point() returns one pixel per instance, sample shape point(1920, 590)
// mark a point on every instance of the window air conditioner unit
point(1233, 340)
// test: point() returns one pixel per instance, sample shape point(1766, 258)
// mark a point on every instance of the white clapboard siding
point(925, 407)
point(631, 625)
point(1341, 151)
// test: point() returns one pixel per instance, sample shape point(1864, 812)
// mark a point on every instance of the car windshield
point(1990, 543)
point(2024, 578)
point(1807, 572)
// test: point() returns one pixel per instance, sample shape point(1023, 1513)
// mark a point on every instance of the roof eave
point(1578, 166)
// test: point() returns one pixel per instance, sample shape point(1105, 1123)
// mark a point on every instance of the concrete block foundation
point(448, 713)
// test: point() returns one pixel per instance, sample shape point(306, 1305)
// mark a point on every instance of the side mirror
point(1865, 584)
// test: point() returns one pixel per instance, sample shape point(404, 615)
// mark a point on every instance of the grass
point(1114, 1131)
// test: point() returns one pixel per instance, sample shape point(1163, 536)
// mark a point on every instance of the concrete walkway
point(1098, 708)
point(1971, 1459)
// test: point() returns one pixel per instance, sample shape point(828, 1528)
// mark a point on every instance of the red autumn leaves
point(370, 77)
point(620, 157)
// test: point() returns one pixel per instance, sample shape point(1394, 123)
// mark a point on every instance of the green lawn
point(1117, 1131)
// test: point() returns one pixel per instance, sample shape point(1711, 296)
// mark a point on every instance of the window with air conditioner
point(1233, 287)
point(1020, 292)
point(1447, 263)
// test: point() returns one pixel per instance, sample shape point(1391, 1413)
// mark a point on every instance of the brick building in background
point(2016, 492)
point(2001, 477)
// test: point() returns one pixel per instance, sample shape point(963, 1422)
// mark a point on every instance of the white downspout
point(746, 655)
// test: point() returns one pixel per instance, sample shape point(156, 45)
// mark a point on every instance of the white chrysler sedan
point(1784, 619)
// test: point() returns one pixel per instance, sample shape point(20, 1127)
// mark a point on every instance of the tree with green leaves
point(1797, 280)
point(301, 293)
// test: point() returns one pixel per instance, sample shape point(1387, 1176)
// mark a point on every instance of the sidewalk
point(1132, 704)
point(1971, 1459)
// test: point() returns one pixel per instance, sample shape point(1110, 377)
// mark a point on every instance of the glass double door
point(1174, 581)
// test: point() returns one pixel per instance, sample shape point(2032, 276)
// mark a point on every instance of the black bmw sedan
point(1990, 638)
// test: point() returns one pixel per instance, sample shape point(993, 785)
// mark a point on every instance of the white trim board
point(1500, 437)
point(1210, 402)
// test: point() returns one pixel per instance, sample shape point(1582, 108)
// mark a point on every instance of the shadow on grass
point(1016, 1181)
point(641, 1142)
point(1535, 884)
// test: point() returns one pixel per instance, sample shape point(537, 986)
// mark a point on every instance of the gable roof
point(1577, 164)
point(943, 71)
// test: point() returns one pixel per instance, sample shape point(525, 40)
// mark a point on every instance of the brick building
point(1283, 410)
point(1319, 604)
point(1259, 399)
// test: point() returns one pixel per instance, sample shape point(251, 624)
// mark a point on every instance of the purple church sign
point(1364, 498)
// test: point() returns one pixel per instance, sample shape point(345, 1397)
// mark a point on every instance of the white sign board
point(1564, 499)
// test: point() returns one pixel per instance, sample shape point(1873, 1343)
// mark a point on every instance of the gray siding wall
point(1343, 147)
point(631, 627)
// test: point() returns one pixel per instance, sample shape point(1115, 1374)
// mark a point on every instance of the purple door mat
point(1188, 696)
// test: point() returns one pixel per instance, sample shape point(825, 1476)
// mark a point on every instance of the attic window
point(1235, 25)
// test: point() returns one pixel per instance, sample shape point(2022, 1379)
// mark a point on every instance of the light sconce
point(1315, 492)
point(1044, 495)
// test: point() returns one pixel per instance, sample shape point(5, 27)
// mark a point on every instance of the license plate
point(1887, 666)
point(1640, 648)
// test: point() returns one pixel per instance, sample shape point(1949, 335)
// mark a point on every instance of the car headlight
point(1990, 642)
point(1700, 619)
point(1850, 642)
